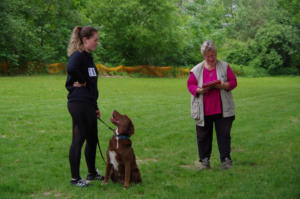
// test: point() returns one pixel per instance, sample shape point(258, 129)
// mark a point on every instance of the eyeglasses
point(211, 56)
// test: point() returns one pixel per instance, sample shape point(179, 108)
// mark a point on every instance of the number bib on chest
point(92, 72)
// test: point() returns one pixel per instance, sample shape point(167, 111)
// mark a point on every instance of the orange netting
point(158, 71)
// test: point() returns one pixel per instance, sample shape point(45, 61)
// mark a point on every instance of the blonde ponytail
point(75, 43)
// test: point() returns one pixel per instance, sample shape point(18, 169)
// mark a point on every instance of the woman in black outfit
point(82, 102)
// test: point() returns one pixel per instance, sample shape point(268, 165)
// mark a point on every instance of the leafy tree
point(138, 31)
point(15, 41)
point(277, 49)
point(264, 34)
point(170, 32)
point(36, 31)
point(293, 10)
point(53, 21)
point(206, 20)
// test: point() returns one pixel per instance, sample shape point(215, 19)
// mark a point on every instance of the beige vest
point(197, 106)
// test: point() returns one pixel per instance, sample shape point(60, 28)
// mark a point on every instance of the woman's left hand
point(98, 113)
point(223, 85)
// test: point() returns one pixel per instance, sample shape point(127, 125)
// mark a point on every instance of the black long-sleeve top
point(81, 68)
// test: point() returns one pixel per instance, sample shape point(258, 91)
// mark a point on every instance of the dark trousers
point(84, 121)
point(205, 136)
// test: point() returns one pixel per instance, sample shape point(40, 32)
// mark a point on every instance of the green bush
point(276, 48)
point(248, 71)
point(236, 52)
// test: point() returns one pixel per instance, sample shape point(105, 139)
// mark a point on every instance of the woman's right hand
point(202, 90)
point(77, 84)
point(98, 113)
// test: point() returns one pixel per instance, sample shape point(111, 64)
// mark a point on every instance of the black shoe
point(79, 182)
point(95, 176)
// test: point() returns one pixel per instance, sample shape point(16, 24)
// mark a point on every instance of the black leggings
point(84, 120)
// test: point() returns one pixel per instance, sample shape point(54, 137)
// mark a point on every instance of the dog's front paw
point(125, 187)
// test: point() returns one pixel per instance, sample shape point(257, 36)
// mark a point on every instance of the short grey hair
point(208, 46)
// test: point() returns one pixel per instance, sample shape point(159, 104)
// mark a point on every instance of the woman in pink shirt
point(213, 104)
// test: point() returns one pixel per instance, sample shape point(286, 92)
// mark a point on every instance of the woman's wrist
point(225, 86)
point(201, 90)
point(77, 84)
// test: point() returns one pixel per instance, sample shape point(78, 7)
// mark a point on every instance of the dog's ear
point(131, 128)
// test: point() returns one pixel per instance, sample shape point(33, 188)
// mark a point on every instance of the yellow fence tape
point(158, 71)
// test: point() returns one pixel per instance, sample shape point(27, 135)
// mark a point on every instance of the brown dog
point(121, 164)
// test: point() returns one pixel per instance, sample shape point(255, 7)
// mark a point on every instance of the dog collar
point(123, 136)
point(126, 137)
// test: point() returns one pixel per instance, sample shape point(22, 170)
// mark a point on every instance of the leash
point(106, 125)
point(101, 151)
point(99, 140)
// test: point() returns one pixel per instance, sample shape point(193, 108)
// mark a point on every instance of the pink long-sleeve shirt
point(211, 99)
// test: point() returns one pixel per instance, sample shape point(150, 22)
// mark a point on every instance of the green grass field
point(35, 135)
